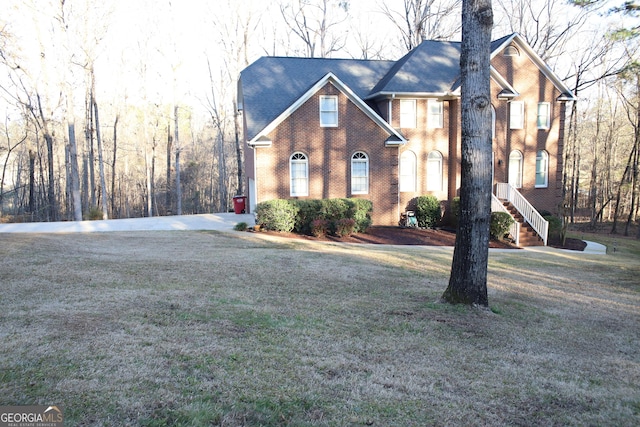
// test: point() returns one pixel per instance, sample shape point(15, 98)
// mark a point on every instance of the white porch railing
point(514, 230)
point(529, 213)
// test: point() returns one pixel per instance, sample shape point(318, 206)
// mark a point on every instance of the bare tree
point(315, 23)
point(422, 20)
point(468, 280)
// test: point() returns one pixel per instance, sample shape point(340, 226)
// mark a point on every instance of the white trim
point(320, 111)
point(545, 158)
point(566, 93)
point(364, 160)
point(330, 78)
point(408, 119)
point(547, 124)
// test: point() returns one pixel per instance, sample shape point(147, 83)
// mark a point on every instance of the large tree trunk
point(468, 280)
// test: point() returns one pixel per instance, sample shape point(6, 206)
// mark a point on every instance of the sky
point(160, 51)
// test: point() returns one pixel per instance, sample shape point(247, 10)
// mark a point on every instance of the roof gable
point(260, 138)
point(431, 68)
point(272, 84)
point(499, 45)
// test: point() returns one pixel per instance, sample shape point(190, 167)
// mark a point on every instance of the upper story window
point(435, 113)
point(359, 173)
point(511, 50)
point(516, 115)
point(329, 111)
point(408, 172)
point(299, 174)
point(544, 115)
point(542, 169)
point(407, 113)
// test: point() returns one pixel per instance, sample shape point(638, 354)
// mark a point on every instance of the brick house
point(389, 131)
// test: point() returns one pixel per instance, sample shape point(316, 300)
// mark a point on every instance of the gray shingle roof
point(271, 84)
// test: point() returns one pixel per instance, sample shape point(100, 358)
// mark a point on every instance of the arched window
point(359, 173)
point(542, 169)
point(299, 172)
point(434, 171)
point(515, 168)
point(408, 171)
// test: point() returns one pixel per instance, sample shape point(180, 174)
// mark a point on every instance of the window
point(359, 173)
point(516, 115)
point(435, 113)
point(408, 171)
point(329, 111)
point(544, 115)
point(511, 50)
point(493, 123)
point(407, 113)
point(299, 171)
point(542, 169)
point(434, 171)
point(515, 169)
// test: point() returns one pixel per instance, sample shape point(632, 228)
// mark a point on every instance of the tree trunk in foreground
point(468, 280)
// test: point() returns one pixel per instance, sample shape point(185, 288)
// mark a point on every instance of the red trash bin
point(239, 204)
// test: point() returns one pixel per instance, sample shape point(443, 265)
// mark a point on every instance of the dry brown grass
point(201, 328)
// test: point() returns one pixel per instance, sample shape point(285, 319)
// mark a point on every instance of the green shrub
point(454, 211)
point(345, 227)
point(241, 226)
point(427, 211)
point(277, 215)
point(360, 212)
point(308, 211)
point(334, 210)
point(500, 223)
point(94, 214)
point(319, 227)
point(555, 226)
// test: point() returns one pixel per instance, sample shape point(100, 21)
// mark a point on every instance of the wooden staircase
point(528, 236)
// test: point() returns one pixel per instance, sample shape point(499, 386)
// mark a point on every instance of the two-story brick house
point(389, 131)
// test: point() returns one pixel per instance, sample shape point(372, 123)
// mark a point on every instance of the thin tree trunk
point(176, 140)
point(113, 166)
point(32, 180)
point(237, 127)
point(169, 154)
point(103, 182)
point(468, 280)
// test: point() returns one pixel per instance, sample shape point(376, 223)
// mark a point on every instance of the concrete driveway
point(221, 222)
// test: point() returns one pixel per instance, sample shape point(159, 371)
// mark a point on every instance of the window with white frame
point(299, 172)
point(493, 122)
point(359, 173)
point(542, 169)
point(434, 171)
point(435, 113)
point(329, 111)
point(408, 171)
point(407, 113)
point(515, 168)
point(516, 115)
point(544, 115)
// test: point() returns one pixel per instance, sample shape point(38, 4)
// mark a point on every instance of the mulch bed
point(380, 235)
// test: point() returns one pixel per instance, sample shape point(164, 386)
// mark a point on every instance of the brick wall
point(329, 152)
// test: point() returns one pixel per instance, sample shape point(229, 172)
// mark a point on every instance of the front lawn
point(241, 329)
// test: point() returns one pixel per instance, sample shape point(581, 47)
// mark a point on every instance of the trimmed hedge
point(319, 215)
point(277, 215)
point(428, 211)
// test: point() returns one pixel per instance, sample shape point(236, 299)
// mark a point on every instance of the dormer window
point(511, 50)
point(329, 111)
